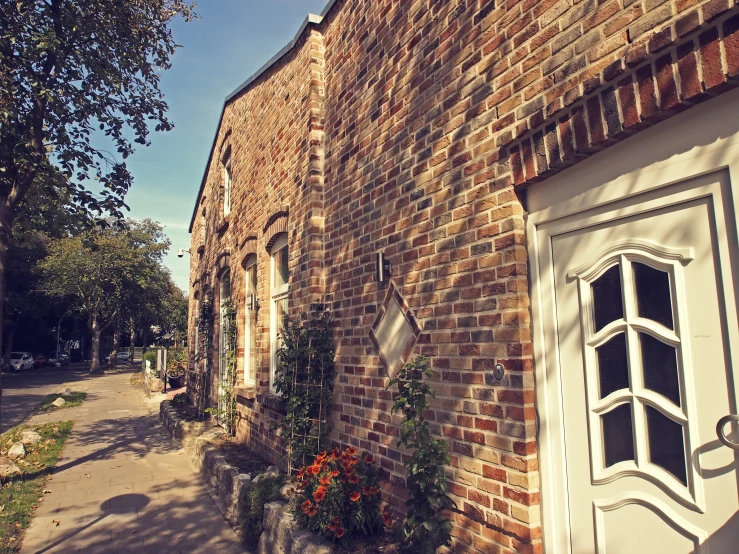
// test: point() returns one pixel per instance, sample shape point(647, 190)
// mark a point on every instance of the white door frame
point(701, 141)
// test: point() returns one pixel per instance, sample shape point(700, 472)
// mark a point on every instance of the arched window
point(250, 323)
point(279, 281)
point(227, 186)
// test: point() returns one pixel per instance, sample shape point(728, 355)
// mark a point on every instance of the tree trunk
point(6, 225)
point(95, 331)
point(114, 351)
point(10, 334)
point(133, 342)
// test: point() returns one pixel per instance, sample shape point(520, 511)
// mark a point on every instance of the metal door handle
point(720, 430)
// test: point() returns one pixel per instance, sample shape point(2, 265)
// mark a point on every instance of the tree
point(72, 72)
point(102, 271)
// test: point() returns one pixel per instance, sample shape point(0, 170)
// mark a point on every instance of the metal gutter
point(311, 19)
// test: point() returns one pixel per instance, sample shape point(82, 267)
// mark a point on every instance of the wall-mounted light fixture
point(181, 252)
point(384, 268)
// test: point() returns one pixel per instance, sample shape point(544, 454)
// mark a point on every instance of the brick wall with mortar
point(273, 135)
point(437, 116)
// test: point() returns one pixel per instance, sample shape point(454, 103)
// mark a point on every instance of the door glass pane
point(653, 299)
point(613, 369)
point(666, 445)
point(618, 439)
point(607, 296)
point(281, 273)
point(659, 363)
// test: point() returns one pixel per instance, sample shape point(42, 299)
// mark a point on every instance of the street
point(24, 390)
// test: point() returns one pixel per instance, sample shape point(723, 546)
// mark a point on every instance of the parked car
point(20, 361)
point(51, 358)
point(120, 357)
point(39, 360)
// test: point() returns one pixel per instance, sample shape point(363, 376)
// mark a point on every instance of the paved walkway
point(122, 485)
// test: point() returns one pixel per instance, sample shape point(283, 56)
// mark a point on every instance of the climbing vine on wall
point(205, 340)
point(229, 387)
point(305, 381)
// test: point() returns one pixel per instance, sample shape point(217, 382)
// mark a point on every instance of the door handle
point(720, 431)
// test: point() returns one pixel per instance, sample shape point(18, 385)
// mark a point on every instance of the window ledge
point(247, 392)
point(272, 401)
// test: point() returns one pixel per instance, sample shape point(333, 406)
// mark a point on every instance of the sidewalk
point(122, 484)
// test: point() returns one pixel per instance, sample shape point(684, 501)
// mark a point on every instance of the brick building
point(552, 182)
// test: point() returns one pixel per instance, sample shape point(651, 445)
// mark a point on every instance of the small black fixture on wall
point(384, 268)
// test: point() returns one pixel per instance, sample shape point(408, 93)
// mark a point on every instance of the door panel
point(645, 376)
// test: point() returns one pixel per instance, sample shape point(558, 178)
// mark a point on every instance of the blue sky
point(230, 41)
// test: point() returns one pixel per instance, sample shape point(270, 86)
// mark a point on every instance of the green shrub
point(180, 399)
point(252, 504)
point(150, 355)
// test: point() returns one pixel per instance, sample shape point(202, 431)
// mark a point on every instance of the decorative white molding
point(630, 246)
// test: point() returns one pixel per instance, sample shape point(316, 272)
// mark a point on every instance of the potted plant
point(176, 365)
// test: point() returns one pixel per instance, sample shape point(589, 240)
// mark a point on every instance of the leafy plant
point(205, 339)
point(337, 496)
point(180, 400)
point(176, 361)
point(230, 414)
point(151, 357)
point(425, 528)
point(251, 505)
point(305, 380)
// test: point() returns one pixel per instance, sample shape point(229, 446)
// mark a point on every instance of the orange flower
point(345, 464)
point(335, 473)
point(339, 532)
point(334, 524)
point(320, 494)
point(314, 469)
point(305, 506)
point(335, 454)
point(325, 480)
point(301, 473)
point(354, 496)
point(351, 451)
point(365, 491)
point(374, 490)
point(386, 518)
point(313, 511)
point(353, 479)
point(369, 458)
point(349, 470)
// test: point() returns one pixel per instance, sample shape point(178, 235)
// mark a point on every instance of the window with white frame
point(227, 187)
point(250, 324)
point(279, 279)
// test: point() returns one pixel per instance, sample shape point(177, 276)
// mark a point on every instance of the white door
point(645, 375)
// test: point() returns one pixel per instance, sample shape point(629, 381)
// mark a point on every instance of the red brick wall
point(413, 128)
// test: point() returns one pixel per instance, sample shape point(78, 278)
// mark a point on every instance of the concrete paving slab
point(123, 486)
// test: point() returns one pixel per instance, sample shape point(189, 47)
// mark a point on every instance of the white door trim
point(703, 141)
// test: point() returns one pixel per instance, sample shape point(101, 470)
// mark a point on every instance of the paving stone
point(122, 485)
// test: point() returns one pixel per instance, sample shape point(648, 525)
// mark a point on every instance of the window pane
point(613, 368)
point(251, 322)
point(659, 363)
point(653, 294)
point(618, 439)
point(666, 446)
point(607, 296)
point(281, 273)
point(281, 317)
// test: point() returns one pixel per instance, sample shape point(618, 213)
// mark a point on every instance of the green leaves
point(425, 528)
point(305, 379)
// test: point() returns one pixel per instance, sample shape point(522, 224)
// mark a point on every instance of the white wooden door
point(645, 375)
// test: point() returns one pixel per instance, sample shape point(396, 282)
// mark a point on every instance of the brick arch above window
point(248, 249)
point(223, 262)
point(276, 225)
point(225, 149)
